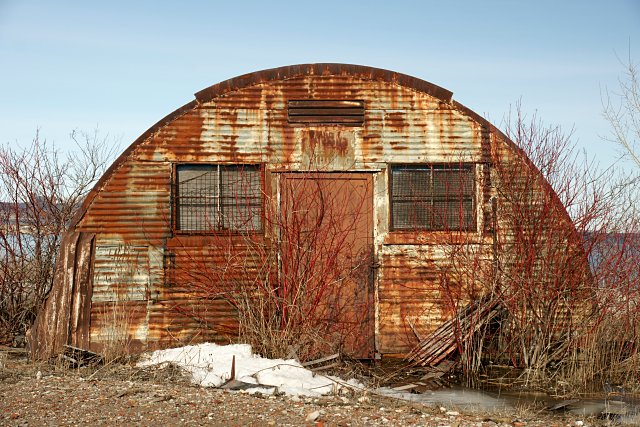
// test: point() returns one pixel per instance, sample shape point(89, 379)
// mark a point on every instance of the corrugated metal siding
point(120, 273)
point(411, 291)
point(186, 307)
point(133, 205)
point(407, 288)
point(183, 318)
point(115, 324)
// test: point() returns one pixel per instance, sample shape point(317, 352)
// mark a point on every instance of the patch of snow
point(210, 366)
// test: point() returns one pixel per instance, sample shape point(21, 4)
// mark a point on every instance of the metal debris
point(77, 357)
point(442, 342)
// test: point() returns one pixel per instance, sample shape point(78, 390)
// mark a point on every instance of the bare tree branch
point(622, 111)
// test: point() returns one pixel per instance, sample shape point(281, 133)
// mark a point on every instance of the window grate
point(432, 197)
point(218, 197)
point(314, 111)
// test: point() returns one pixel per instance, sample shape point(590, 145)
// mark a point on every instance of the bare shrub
point(543, 280)
point(40, 191)
point(556, 319)
point(115, 339)
point(609, 352)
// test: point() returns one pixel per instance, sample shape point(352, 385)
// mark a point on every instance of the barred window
point(432, 197)
point(218, 197)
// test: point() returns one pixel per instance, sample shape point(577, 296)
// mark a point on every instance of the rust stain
point(331, 148)
point(230, 118)
point(372, 147)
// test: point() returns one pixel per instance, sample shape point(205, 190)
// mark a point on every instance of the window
point(218, 197)
point(432, 197)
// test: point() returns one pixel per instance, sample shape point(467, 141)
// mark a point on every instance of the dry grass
point(116, 336)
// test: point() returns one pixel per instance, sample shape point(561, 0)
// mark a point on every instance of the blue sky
point(121, 66)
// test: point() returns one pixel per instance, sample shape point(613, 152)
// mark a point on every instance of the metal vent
point(314, 111)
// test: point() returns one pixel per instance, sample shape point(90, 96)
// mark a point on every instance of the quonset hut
point(349, 186)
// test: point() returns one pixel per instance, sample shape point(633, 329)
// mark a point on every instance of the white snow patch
point(210, 366)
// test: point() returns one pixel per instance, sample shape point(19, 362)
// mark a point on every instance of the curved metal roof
point(330, 69)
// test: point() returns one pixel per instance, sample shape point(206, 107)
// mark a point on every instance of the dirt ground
point(43, 394)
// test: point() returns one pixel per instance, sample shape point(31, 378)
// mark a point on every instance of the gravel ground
point(43, 395)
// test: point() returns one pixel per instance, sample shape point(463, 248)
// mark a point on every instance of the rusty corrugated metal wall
point(245, 120)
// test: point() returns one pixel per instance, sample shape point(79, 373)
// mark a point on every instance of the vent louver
point(313, 111)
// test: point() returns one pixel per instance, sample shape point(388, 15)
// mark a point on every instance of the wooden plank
point(442, 342)
point(13, 350)
point(321, 360)
point(413, 328)
point(405, 387)
point(563, 404)
point(81, 356)
point(323, 367)
point(432, 375)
